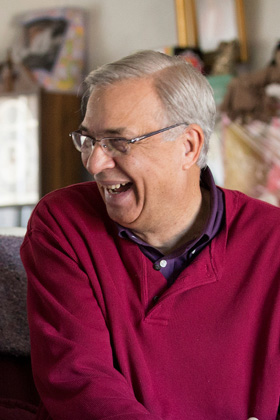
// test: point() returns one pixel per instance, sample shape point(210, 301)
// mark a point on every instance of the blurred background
point(47, 48)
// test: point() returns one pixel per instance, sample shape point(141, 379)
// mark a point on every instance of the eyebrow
point(110, 131)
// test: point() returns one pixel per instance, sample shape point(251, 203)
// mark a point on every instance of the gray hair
point(184, 92)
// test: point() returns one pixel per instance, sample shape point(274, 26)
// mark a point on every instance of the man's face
point(153, 180)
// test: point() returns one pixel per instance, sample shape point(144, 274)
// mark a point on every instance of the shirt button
point(157, 267)
point(193, 252)
point(163, 263)
point(155, 299)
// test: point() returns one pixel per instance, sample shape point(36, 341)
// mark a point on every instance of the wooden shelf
point(60, 162)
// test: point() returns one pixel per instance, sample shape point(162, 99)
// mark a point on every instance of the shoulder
point(75, 196)
point(241, 202)
point(78, 203)
point(82, 191)
point(250, 213)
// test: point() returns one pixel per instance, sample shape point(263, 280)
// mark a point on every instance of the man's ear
point(193, 142)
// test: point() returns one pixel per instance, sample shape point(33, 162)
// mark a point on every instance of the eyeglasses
point(111, 146)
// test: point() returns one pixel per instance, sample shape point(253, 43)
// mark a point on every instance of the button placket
point(160, 264)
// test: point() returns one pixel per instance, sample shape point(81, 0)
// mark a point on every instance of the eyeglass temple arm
point(145, 136)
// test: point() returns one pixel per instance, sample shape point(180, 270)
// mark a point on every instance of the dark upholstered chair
point(18, 395)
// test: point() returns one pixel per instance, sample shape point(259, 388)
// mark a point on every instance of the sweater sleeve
point(70, 344)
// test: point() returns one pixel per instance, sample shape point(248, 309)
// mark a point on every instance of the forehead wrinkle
point(148, 81)
point(108, 131)
point(142, 98)
point(134, 105)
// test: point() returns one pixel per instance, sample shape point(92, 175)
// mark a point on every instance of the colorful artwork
point(54, 47)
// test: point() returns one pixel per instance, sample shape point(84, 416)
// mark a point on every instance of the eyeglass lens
point(86, 144)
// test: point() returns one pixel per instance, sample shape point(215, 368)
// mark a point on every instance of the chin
point(122, 220)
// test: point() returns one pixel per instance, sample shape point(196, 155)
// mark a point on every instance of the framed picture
point(207, 23)
point(53, 47)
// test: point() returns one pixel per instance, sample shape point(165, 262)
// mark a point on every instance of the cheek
point(84, 159)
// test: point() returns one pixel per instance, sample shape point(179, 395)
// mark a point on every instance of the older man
point(152, 293)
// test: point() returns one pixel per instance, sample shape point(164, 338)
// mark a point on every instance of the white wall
point(263, 30)
point(119, 27)
point(115, 27)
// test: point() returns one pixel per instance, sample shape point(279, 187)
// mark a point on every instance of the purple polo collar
point(171, 265)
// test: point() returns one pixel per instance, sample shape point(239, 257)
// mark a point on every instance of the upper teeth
point(114, 187)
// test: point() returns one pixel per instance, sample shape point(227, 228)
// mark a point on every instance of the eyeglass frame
point(131, 141)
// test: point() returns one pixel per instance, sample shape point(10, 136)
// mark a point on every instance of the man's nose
point(98, 161)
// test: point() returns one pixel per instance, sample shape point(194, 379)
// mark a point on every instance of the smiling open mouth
point(118, 188)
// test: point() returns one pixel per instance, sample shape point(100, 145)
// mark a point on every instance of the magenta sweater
point(102, 348)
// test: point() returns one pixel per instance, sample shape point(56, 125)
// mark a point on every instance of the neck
point(184, 229)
